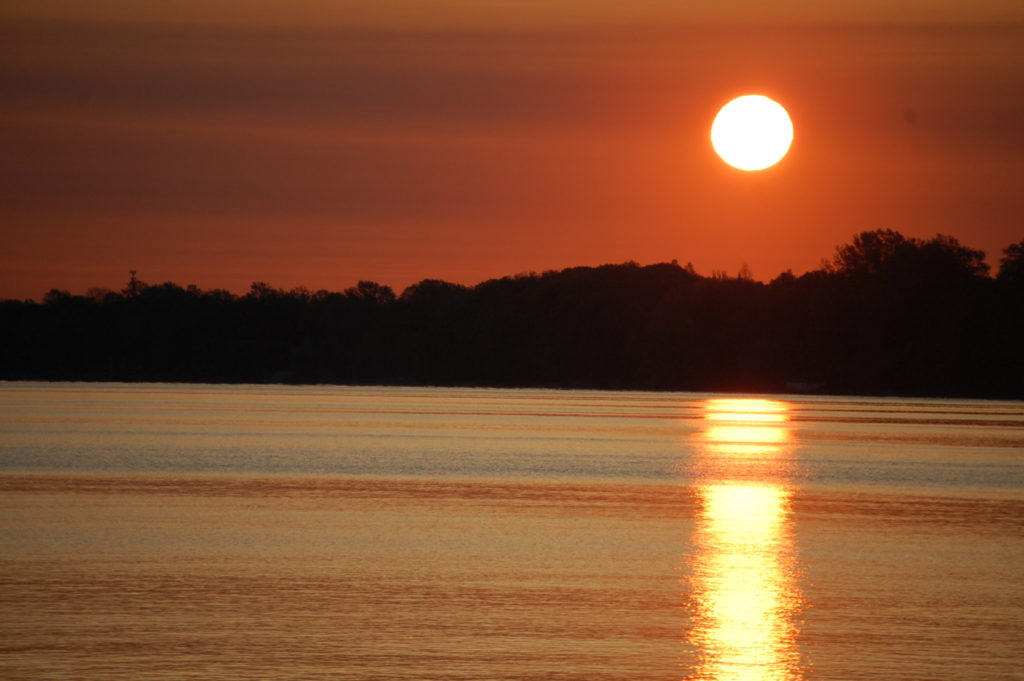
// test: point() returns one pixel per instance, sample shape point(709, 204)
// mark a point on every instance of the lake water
point(245, 532)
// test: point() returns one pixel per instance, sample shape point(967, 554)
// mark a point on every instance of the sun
point(752, 132)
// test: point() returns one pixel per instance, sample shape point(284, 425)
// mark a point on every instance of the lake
point(164, 531)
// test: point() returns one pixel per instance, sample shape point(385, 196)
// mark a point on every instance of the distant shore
point(782, 393)
point(889, 316)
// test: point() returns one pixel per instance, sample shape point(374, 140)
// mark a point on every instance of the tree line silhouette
point(887, 315)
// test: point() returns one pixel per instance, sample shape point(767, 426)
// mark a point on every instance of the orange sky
point(220, 143)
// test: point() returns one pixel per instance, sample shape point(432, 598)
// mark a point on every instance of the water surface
point(238, 532)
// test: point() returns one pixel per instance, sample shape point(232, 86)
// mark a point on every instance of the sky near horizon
point(319, 143)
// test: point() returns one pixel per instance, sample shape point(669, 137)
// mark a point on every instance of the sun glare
point(752, 132)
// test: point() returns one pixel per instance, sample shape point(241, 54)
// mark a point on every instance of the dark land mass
point(888, 315)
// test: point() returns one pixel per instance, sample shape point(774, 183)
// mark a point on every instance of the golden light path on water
point(744, 595)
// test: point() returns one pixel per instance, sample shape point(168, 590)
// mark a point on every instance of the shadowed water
point(238, 532)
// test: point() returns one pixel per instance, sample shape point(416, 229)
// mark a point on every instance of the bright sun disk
point(752, 132)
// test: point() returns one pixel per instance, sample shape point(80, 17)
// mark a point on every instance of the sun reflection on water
point(744, 595)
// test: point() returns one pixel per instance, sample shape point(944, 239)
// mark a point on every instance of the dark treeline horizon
point(887, 315)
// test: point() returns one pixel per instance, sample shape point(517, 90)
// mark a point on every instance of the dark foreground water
point(246, 532)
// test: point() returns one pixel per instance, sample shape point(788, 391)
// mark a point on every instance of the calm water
point(245, 532)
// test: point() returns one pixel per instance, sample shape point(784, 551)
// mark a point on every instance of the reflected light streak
point(746, 410)
point(723, 436)
point(744, 595)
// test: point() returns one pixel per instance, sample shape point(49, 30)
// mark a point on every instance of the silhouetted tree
point(1011, 265)
point(887, 252)
point(372, 292)
point(133, 287)
point(871, 252)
